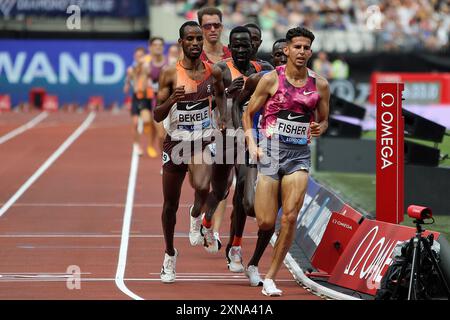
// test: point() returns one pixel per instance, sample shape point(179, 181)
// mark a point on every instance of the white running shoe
point(235, 256)
point(252, 274)
point(195, 237)
point(210, 242)
point(270, 289)
point(168, 273)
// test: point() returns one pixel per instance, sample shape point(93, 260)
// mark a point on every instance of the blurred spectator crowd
point(397, 24)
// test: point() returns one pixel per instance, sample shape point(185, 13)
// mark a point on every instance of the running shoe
point(252, 274)
point(235, 256)
point(219, 243)
point(210, 242)
point(195, 236)
point(168, 273)
point(270, 289)
point(227, 250)
point(152, 152)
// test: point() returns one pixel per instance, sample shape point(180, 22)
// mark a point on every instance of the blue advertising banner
point(72, 70)
point(111, 8)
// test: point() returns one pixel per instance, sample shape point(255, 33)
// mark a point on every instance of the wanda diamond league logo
point(6, 6)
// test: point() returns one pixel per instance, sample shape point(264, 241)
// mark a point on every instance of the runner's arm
point(238, 102)
point(263, 91)
point(165, 99)
point(126, 87)
point(323, 109)
point(219, 97)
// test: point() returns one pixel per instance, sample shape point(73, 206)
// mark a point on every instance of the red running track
point(74, 215)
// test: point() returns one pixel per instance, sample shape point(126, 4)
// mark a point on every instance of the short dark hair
point(209, 11)
point(299, 32)
point(153, 39)
point(254, 26)
point(187, 24)
point(140, 49)
point(240, 29)
point(278, 41)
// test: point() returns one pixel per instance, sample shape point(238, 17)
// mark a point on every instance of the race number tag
point(193, 115)
point(292, 127)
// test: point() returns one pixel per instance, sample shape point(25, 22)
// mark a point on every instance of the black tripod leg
point(415, 268)
point(427, 247)
point(402, 274)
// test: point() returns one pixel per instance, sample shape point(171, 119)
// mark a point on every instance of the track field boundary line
point(30, 124)
point(86, 123)
point(122, 262)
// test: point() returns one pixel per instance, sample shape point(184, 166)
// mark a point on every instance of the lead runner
point(290, 95)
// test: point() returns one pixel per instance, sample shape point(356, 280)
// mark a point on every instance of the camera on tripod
point(415, 273)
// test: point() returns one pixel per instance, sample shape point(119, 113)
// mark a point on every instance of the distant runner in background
point(155, 62)
point(173, 54)
point(137, 78)
point(210, 19)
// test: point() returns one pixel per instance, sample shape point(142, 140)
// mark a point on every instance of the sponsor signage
point(338, 233)
point(112, 8)
point(420, 88)
point(389, 153)
point(73, 69)
point(368, 255)
point(351, 213)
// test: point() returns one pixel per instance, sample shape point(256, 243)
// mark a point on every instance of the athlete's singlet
point(226, 55)
point(235, 73)
point(155, 72)
point(258, 115)
point(289, 112)
point(190, 119)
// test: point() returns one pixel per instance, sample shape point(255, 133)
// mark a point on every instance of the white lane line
point(106, 205)
point(48, 163)
point(30, 124)
point(102, 236)
point(33, 247)
point(121, 265)
point(64, 279)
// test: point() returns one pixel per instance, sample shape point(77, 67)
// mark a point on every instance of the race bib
point(292, 127)
point(193, 115)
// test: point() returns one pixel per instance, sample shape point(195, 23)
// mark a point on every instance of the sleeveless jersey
point(226, 55)
point(143, 90)
point(155, 72)
point(191, 119)
point(235, 73)
point(289, 112)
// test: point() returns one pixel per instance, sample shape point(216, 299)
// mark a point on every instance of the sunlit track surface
point(61, 239)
